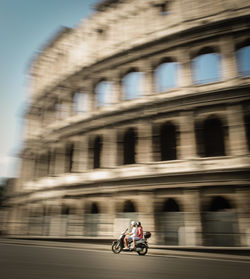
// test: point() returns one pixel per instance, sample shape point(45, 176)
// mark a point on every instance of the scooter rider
point(139, 230)
point(132, 236)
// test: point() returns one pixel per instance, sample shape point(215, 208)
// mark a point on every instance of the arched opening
point(129, 206)
point(243, 59)
point(92, 220)
point(168, 141)
point(103, 92)
point(247, 128)
point(94, 208)
point(206, 66)
point(171, 219)
point(220, 224)
point(170, 205)
point(129, 146)
point(69, 153)
point(80, 102)
point(218, 204)
point(166, 76)
point(97, 152)
point(213, 137)
point(65, 210)
point(132, 83)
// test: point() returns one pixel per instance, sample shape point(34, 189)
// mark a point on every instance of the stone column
point(187, 148)
point(80, 159)
point(117, 92)
point(237, 134)
point(109, 149)
point(192, 219)
point(228, 61)
point(185, 73)
point(144, 144)
point(149, 88)
point(147, 214)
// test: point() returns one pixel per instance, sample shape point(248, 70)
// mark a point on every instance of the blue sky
point(25, 26)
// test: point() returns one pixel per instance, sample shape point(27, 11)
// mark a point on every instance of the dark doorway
point(213, 138)
point(168, 142)
point(97, 152)
point(69, 158)
point(247, 127)
point(129, 145)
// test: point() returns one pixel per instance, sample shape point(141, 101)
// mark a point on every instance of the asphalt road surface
point(34, 262)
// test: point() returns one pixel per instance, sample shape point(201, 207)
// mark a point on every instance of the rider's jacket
point(140, 232)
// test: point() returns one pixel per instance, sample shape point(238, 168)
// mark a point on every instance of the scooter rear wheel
point(116, 247)
point(144, 250)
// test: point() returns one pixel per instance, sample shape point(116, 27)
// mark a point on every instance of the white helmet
point(133, 223)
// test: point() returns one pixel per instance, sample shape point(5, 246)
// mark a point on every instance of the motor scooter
point(141, 246)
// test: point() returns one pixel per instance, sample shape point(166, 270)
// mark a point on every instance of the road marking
point(132, 254)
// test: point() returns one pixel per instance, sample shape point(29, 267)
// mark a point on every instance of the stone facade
point(177, 160)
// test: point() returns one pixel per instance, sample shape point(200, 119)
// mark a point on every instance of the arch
point(69, 153)
point(94, 208)
point(166, 75)
point(219, 203)
point(80, 102)
point(129, 206)
point(213, 137)
point(170, 205)
point(220, 224)
point(247, 128)
point(103, 91)
point(170, 220)
point(65, 210)
point(168, 142)
point(97, 152)
point(243, 58)
point(129, 146)
point(206, 66)
point(131, 84)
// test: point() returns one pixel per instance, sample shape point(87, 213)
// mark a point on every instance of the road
point(34, 262)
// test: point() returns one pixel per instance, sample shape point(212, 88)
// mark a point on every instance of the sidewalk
point(216, 253)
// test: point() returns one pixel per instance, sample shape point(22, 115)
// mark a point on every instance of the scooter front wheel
point(116, 247)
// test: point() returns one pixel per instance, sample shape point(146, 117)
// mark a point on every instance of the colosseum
point(140, 112)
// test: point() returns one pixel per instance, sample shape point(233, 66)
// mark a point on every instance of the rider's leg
point(126, 242)
point(133, 242)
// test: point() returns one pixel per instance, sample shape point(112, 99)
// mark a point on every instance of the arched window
point(132, 83)
point(94, 209)
point(65, 210)
point(170, 205)
point(103, 93)
point(69, 157)
point(129, 146)
point(213, 137)
point(206, 67)
point(80, 102)
point(97, 150)
point(243, 60)
point(247, 127)
point(168, 140)
point(166, 76)
point(129, 206)
point(219, 203)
